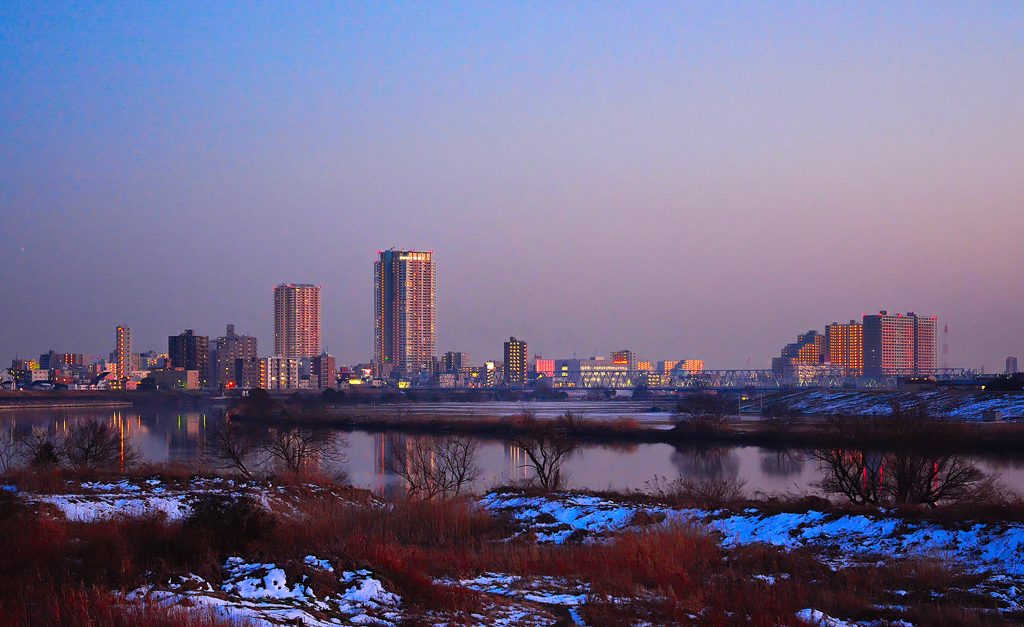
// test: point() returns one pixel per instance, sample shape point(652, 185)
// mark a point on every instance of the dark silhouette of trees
point(297, 447)
point(97, 445)
point(435, 467)
point(547, 444)
point(701, 414)
point(232, 447)
point(908, 456)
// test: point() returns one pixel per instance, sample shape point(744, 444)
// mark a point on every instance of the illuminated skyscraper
point(404, 332)
point(898, 344)
point(123, 353)
point(515, 362)
point(845, 346)
point(297, 321)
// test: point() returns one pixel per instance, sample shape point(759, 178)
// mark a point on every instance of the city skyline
point(702, 180)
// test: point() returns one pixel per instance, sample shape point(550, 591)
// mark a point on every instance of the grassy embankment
point(56, 572)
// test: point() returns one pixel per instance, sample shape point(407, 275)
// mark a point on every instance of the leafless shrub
point(907, 457)
point(547, 445)
point(435, 466)
point(706, 492)
point(8, 451)
point(780, 417)
point(97, 445)
point(299, 448)
point(231, 447)
point(39, 447)
point(701, 414)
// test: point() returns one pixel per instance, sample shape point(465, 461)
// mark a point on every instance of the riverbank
point(795, 433)
point(78, 399)
point(305, 552)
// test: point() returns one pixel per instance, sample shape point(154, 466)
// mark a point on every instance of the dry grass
point(660, 574)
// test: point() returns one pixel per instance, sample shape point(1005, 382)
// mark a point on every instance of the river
point(165, 434)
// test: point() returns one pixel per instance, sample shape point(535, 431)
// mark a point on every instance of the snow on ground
point(265, 594)
point(996, 551)
point(968, 406)
point(562, 517)
point(268, 594)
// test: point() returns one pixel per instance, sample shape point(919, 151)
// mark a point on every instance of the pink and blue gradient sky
point(699, 181)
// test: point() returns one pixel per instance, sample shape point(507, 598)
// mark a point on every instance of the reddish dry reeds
point(88, 607)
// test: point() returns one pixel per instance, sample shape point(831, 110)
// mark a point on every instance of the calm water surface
point(166, 434)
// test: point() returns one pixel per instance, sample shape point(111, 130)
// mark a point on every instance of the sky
point(684, 180)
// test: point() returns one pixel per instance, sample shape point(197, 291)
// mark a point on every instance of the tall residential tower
point(898, 344)
point(405, 337)
point(297, 321)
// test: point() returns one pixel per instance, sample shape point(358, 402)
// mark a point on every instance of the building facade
point(453, 362)
point(625, 358)
point(515, 362)
point(845, 344)
point(191, 352)
point(809, 348)
point(279, 373)
point(297, 321)
point(123, 353)
point(899, 344)
point(1011, 365)
point(405, 335)
point(235, 361)
point(324, 373)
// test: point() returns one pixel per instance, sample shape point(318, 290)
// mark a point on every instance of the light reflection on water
point(165, 434)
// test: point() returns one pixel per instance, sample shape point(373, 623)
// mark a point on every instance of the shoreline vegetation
point(213, 549)
point(256, 532)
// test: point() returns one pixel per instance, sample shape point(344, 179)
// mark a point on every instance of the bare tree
point(547, 444)
point(97, 445)
point(908, 456)
point(435, 466)
point(701, 414)
point(299, 447)
point(9, 445)
point(233, 448)
point(780, 416)
point(39, 447)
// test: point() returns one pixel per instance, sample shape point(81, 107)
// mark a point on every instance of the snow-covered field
point(274, 594)
point(967, 406)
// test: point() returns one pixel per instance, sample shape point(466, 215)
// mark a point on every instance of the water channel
point(165, 434)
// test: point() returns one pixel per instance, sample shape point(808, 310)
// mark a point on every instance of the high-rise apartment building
point(404, 328)
point(898, 344)
point(324, 373)
point(691, 365)
point(845, 346)
point(1011, 365)
point(236, 361)
point(279, 373)
point(123, 353)
point(191, 352)
point(809, 349)
point(515, 362)
point(297, 321)
point(454, 362)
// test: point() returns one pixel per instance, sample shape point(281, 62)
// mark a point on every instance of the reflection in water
point(161, 433)
point(518, 463)
point(706, 461)
point(386, 446)
point(782, 463)
point(172, 434)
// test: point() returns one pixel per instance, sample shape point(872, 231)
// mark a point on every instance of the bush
point(230, 523)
